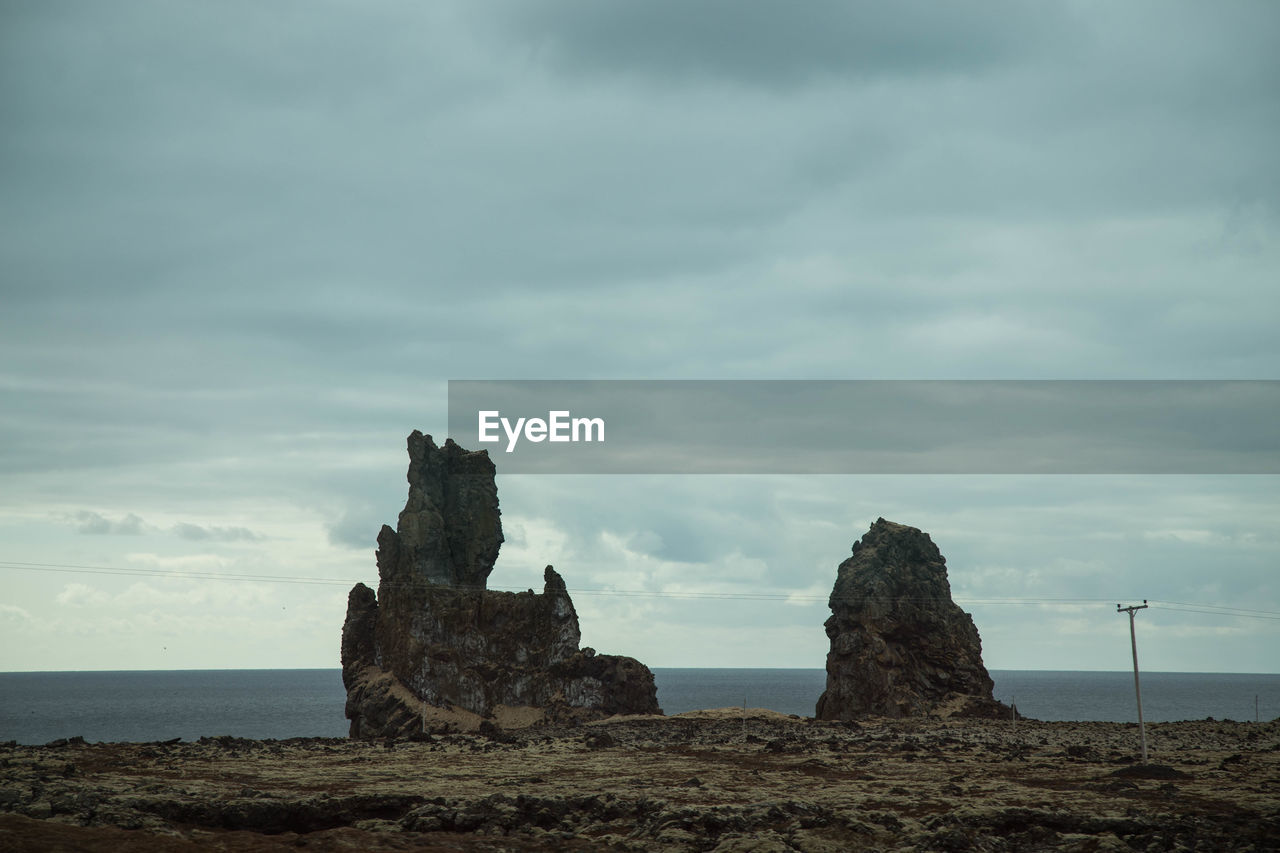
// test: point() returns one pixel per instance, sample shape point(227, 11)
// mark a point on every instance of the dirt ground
point(703, 781)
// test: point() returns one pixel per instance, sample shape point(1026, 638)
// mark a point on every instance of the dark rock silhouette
point(450, 528)
point(900, 646)
point(433, 635)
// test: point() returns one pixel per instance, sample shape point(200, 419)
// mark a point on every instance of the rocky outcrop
point(450, 529)
point(434, 636)
point(899, 645)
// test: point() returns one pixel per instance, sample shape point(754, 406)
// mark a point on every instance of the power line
point(1215, 607)
point(637, 593)
point(790, 597)
point(170, 573)
point(1219, 612)
point(750, 596)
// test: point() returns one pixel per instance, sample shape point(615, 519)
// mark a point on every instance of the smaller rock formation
point(900, 646)
point(433, 637)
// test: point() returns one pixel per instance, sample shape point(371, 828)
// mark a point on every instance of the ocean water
point(36, 707)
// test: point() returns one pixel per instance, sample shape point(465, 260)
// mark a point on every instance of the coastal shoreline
point(708, 780)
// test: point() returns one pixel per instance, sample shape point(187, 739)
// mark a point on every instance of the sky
point(245, 246)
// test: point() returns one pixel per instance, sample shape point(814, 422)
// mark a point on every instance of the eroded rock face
point(433, 634)
point(899, 645)
point(450, 529)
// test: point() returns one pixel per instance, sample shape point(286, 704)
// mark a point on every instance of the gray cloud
point(200, 533)
point(95, 524)
point(776, 43)
point(358, 528)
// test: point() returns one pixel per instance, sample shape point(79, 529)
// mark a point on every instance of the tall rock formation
point(899, 645)
point(433, 634)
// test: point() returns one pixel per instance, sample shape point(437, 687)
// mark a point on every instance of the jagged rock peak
point(890, 534)
point(899, 645)
point(897, 562)
point(450, 529)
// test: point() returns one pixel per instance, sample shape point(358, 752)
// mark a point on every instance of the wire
point(643, 593)
point(1217, 610)
point(1218, 613)
point(1217, 607)
point(140, 572)
point(790, 597)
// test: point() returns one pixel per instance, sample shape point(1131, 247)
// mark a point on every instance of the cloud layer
point(243, 247)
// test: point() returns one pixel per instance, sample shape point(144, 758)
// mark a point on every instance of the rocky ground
point(702, 781)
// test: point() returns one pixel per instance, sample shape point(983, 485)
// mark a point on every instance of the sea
point(38, 707)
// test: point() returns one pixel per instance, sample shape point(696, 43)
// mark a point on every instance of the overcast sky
point(244, 245)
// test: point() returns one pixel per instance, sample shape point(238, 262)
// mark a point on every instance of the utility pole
point(1137, 689)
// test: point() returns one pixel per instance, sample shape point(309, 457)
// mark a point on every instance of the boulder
point(900, 646)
